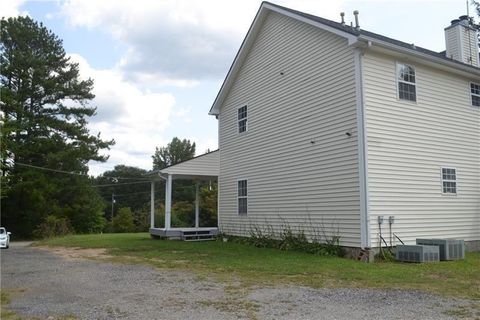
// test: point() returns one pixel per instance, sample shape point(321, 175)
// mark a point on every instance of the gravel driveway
point(55, 286)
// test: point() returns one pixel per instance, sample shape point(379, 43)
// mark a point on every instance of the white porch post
point(152, 205)
point(197, 204)
point(168, 201)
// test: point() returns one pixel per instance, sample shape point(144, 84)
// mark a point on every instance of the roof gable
point(355, 37)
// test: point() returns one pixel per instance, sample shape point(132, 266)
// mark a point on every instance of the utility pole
point(113, 202)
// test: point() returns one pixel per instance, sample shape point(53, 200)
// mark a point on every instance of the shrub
point(123, 221)
point(290, 240)
point(53, 226)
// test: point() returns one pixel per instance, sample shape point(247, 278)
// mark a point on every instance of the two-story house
point(327, 125)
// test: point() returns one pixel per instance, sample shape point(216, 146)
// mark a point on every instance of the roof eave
point(250, 37)
point(464, 68)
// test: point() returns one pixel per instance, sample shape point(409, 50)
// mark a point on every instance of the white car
point(4, 238)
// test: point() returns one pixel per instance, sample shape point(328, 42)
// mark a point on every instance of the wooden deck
point(185, 234)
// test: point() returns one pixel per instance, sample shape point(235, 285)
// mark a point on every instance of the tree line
point(46, 146)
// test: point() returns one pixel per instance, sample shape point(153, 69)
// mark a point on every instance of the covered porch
point(201, 168)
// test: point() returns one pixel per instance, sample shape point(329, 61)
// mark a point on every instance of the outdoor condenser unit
point(417, 253)
point(449, 249)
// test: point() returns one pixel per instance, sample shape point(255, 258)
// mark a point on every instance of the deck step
point(197, 235)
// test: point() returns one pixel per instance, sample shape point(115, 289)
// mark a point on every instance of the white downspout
point(362, 150)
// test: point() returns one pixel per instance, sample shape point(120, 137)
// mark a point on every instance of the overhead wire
point(74, 173)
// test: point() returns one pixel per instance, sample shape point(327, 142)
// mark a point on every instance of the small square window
point(406, 82)
point(449, 181)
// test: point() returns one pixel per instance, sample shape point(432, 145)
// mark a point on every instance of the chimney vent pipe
point(342, 15)
point(357, 25)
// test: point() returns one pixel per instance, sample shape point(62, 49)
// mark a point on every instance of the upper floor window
point(449, 180)
point(475, 91)
point(242, 197)
point(242, 119)
point(407, 89)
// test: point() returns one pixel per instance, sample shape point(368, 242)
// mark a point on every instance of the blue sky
point(158, 65)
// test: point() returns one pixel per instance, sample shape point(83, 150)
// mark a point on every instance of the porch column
point(152, 205)
point(168, 201)
point(197, 204)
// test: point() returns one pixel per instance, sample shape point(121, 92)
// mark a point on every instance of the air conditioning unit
point(417, 253)
point(449, 249)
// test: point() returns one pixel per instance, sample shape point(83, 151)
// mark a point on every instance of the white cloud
point(136, 119)
point(177, 42)
point(11, 8)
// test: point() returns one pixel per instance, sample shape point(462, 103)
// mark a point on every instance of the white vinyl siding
point(409, 143)
point(470, 45)
point(204, 165)
point(299, 82)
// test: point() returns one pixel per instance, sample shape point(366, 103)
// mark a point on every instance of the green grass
point(253, 265)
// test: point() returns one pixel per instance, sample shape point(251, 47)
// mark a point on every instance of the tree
point(123, 221)
point(176, 151)
point(44, 125)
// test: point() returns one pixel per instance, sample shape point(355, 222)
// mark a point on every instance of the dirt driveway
point(49, 285)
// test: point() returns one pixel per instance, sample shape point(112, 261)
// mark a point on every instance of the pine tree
point(44, 123)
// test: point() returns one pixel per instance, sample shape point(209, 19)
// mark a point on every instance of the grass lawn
point(252, 265)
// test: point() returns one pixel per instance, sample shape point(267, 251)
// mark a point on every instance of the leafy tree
point(44, 124)
point(123, 221)
point(176, 151)
point(128, 185)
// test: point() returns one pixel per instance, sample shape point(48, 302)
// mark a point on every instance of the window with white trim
point(475, 91)
point(242, 119)
point(449, 180)
point(406, 82)
point(242, 197)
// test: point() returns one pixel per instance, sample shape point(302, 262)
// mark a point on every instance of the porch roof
point(202, 167)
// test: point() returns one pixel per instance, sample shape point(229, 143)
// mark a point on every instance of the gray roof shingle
point(361, 32)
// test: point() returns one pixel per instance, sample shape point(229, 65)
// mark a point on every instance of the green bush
point(53, 226)
point(123, 221)
point(290, 240)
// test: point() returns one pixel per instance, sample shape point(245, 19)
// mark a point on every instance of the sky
point(158, 65)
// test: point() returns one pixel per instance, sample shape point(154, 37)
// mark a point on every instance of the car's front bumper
point(3, 243)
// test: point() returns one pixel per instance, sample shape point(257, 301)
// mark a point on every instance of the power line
point(74, 173)
point(119, 184)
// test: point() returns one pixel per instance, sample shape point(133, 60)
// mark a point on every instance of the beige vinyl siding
point(469, 40)
point(409, 143)
point(299, 85)
point(453, 43)
point(204, 165)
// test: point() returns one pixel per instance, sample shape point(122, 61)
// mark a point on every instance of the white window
point(242, 119)
point(449, 180)
point(475, 91)
point(242, 197)
point(407, 89)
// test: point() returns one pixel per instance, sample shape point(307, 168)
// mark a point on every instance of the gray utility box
point(417, 253)
point(449, 249)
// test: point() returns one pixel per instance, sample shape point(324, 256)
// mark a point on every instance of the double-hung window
point(242, 119)
point(475, 92)
point(406, 82)
point(242, 197)
point(449, 180)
